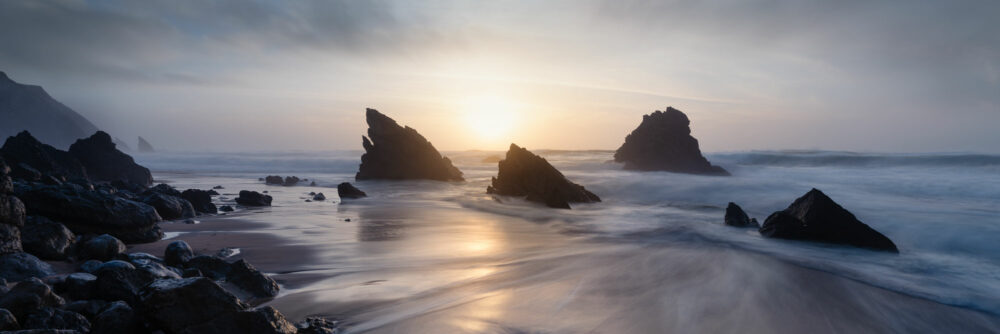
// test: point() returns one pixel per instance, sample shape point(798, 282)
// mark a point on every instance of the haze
point(239, 75)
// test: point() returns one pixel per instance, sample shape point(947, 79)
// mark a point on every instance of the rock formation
point(735, 216)
point(30, 108)
point(201, 200)
point(663, 142)
point(253, 198)
point(104, 162)
point(144, 146)
point(400, 153)
point(523, 173)
point(347, 190)
point(88, 211)
point(816, 217)
point(23, 151)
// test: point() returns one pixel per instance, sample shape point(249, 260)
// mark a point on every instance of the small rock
point(523, 173)
point(218, 187)
point(176, 305)
point(316, 325)
point(253, 198)
point(167, 206)
point(210, 266)
point(53, 318)
point(103, 247)
point(20, 266)
point(78, 286)
point(319, 197)
point(735, 216)
point(347, 190)
point(201, 200)
point(90, 265)
point(226, 208)
point(89, 308)
point(177, 253)
point(248, 278)
point(117, 318)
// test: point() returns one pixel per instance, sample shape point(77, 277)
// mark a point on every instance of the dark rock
point(177, 253)
point(104, 162)
point(319, 197)
point(735, 216)
point(44, 331)
point(168, 207)
point(523, 173)
point(117, 318)
point(218, 187)
point(152, 270)
point(7, 321)
point(201, 200)
point(246, 277)
point(89, 308)
point(90, 265)
point(28, 296)
point(663, 142)
point(85, 212)
point(23, 171)
point(119, 280)
point(262, 320)
point(77, 286)
point(191, 272)
point(165, 189)
point(312, 184)
point(29, 107)
point(274, 179)
point(210, 266)
point(51, 180)
point(16, 267)
point(176, 305)
point(316, 325)
point(53, 318)
point(140, 256)
point(290, 181)
point(491, 159)
point(816, 217)
point(253, 198)
point(212, 192)
point(226, 208)
point(144, 146)
point(400, 153)
point(47, 239)
point(12, 211)
point(10, 239)
point(103, 247)
point(347, 190)
point(43, 159)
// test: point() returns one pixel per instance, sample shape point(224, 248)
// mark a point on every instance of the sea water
point(652, 256)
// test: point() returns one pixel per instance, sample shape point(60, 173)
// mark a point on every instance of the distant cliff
point(29, 107)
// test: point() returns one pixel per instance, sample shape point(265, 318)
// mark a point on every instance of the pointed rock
point(735, 216)
point(816, 217)
point(25, 152)
point(400, 153)
point(523, 173)
point(30, 108)
point(104, 162)
point(663, 142)
point(144, 146)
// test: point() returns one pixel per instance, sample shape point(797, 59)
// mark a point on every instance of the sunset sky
point(271, 75)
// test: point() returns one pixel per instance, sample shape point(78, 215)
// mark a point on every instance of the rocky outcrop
point(347, 190)
point(19, 266)
point(663, 142)
point(47, 239)
point(201, 200)
point(816, 217)
point(104, 162)
point(736, 217)
point(84, 211)
point(30, 108)
point(393, 152)
point(25, 153)
point(167, 206)
point(103, 248)
point(253, 198)
point(287, 181)
point(144, 146)
point(199, 305)
point(523, 173)
point(12, 214)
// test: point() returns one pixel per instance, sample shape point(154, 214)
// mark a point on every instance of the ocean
point(653, 256)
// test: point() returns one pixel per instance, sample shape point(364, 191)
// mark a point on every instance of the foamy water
point(653, 256)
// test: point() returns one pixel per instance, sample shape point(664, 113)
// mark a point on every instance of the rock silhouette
point(400, 153)
point(816, 217)
point(30, 108)
point(23, 152)
point(347, 190)
point(735, 216)
point(523, 173)
point(663, 142)
point(104, 162)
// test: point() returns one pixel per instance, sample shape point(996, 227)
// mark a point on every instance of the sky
point(902, 76)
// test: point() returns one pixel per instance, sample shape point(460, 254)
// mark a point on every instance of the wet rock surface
point(84, 211)
point(523, 173)
point(394, 152)
point(347, 190)
point(201, 200)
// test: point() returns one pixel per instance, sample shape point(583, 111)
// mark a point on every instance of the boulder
point(346, 190)
point(7, 321)
point(53, 318)
point(26, 153)
point(319, 197)
point(226, 208)
point(6, 183)
point(291, 181)
point(117, 318)
point(85, 211)
point(253, 198)
point(400, 153)
point(201, 200)
point(165, 189)
point(89, 308)
point(210, 266)
point(274, 179)
point(119, 280)
point(90, 265)
point(663, 142)
point(103, 247)
point(28, 296)
point(12, 211)
point(77, 286)
point(177, 253)
point(264, 320)
point(104, 162)
point(316, 325)
point(20, 266)
point(523, 173)
point(218, 187)
point(47, 239)
point(249, 279)
point(735, 216)
point(168, 207)
point(176, 305)
point(816, 217)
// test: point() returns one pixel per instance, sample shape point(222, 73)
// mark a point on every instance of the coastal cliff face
point(29, 107)
point(523, 173)
point(394, 152)
point(663, 142)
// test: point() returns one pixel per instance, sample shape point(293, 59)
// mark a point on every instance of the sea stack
point(663, 142)
point(816, 217)
point(523, 173)
point(394, 152)
point(144, 146)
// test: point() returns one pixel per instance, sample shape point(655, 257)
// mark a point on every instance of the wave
point(853, 159)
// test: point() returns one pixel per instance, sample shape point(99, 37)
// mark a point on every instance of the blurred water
point(653, 256)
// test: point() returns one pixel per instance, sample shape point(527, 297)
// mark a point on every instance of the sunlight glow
point(489, 117)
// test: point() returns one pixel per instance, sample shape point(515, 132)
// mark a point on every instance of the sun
point(489, 117)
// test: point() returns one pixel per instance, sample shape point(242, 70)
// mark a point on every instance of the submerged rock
point(735, 216)
point(226, 208)
point(253, 198)
point(84, 211)
point(201, 200)
point(663, 142)
point(816, 217)
point(319, 197)
point(347, 190)
point(523, 173)
point(47, 239)
point(400, 153)
point(104, 162)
